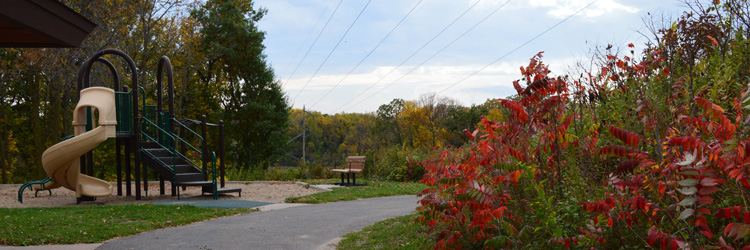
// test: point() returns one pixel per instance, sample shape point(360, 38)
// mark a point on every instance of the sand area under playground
point(273, 192)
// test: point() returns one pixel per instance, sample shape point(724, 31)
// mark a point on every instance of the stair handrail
point(182, 125)
point(148, 137)
point(174, 172)
point(143, 101)
point(168, 133)
point(213, 170)
point(170, 148)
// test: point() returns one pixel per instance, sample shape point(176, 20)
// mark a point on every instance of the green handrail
point(213, 166)
point(143, 99)
point(40, 182)
point(160, 132)
point(171, 149)
point(28, 185)
point(182, 125)
point(148, 137)
point(190, 145)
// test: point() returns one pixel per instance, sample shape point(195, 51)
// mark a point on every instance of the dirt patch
point(274, 192)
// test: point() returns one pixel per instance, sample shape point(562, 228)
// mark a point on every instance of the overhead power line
point(315, 41)
point(306, 38)
point(332, 50)
point(370, 53)
point(415, 52)
point(517, 48)
point(433, 55)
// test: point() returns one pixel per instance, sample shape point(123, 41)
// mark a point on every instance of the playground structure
point(144, 133)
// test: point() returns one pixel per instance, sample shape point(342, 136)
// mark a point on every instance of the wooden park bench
point(354, 165)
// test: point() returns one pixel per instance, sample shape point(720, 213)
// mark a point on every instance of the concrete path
point(300, 227)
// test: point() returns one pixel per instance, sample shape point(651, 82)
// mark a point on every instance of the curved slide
point(62, 160)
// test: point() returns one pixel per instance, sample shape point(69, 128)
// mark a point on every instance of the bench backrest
point(355, 162)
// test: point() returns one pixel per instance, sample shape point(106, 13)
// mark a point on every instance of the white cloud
point(565, 8)
point(494, 81)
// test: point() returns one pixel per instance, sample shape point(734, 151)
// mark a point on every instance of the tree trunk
point(36, 124)
point(4, 159)
point(55, 103)
point(66, 113)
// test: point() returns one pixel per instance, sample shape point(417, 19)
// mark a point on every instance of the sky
point(351, 56)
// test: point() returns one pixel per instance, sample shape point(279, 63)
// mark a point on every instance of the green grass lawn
point(370, 190)
point(395, 233)
point(91, 224)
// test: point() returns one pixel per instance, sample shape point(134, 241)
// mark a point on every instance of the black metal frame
point(131, 141)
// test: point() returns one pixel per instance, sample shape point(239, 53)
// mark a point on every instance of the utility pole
point(305, 114)
point(304, 134)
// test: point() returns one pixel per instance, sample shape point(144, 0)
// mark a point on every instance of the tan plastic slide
point(61, 161)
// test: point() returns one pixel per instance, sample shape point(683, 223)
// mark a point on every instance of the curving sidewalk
point(297, 227)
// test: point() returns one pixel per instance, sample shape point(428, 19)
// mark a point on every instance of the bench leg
point(342, 179)
point(354, 179)
point(347, 179)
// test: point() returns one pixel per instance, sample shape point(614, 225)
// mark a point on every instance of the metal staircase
point(184, 174)
point(188, 167)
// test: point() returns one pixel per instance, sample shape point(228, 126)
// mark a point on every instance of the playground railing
point(185, 127)
point(148, 137)
point(171, 148)
point(213, 171)
point(179, 139)
point(124, 112)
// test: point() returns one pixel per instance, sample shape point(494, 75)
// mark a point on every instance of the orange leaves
point(658, 238)
point(632, 140)
point(540, 86)
point(662, 188)
point(620, 151)
point(514, 176)
point(499, 212)
point(629, 138)
point(621, 64)
point(737, 175)
point(511, 178)
point(471, 135)
point(517, 86)
point(516, 154)
point(602, 206)
point(702, 225)
point(569, 242)
point(688, 143)
point(736, 230)
point(713, 40)
point(516, 109)
point(712, 109)
point(736, 212)
point(627, 166)
point(716, 114)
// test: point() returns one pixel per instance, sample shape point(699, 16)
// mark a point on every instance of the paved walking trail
point(301, 227)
